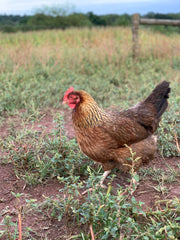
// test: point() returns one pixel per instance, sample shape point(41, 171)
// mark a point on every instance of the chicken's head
point(71, 98)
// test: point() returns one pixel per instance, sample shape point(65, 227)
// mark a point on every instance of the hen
point(102, 136)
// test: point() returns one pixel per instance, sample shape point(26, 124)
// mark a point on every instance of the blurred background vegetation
point(62, 18)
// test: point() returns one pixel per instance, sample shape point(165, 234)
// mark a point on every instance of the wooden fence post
point(135, 27)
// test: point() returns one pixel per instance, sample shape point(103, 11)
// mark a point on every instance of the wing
point(130, 126)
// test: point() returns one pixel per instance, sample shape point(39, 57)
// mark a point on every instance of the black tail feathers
point(159, 97)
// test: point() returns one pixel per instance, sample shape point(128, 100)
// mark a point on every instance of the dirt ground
point(48, 228)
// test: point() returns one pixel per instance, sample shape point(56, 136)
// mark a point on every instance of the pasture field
point(42, 171)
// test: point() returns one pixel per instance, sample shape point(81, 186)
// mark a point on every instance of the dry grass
point(159, 45)
point(73, 46)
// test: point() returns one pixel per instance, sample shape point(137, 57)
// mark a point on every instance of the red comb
point(71, 89)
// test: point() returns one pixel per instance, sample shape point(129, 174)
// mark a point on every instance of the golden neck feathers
point(87, 113)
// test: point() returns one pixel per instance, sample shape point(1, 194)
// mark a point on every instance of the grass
point(36, 69)
point(51, 61)
point(37, 156)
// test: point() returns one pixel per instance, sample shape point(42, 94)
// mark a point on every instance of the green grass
point(36, 69)
point(37, 156)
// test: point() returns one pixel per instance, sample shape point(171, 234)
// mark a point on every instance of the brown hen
point(102, 136)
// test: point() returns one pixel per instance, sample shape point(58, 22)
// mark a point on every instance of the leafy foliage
point(61, 17)
point(111, 216)
point(37, 157)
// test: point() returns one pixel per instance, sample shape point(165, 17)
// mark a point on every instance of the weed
point(13, 229)
point(111, 216)
point(10, 228)
point(37, 156)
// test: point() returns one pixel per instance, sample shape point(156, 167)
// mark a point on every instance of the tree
point(55, 10)
point(95, 19)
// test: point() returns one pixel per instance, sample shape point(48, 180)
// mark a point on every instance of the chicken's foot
point(104, 176)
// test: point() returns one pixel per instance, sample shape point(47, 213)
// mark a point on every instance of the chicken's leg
point(104, 176)
point(133, 185)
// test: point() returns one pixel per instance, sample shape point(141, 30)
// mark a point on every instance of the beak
point(64, 102)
